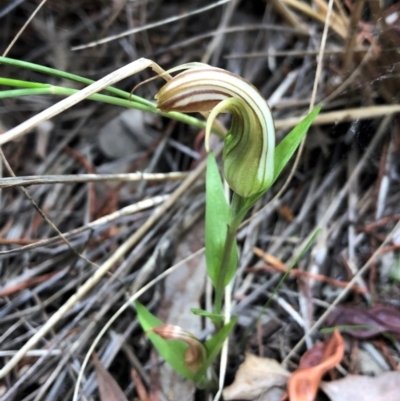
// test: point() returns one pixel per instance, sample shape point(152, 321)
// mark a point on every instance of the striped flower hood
point(248, 155)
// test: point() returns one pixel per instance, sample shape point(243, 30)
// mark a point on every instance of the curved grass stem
point(71, 77)
point(121, 98)
point(46, 89)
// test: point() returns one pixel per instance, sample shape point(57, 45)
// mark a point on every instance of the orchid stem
point(219, 288)
point(238, 211)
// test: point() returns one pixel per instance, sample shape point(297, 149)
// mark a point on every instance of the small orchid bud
point(248, 156)
point(195, 355)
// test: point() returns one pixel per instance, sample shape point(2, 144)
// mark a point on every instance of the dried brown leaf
point(369, 323)
point(385, 387)
point(389, 316)
point(109, 389)
point(255, 377)
point(286, 212)
point(304, 382)
point(140, 387)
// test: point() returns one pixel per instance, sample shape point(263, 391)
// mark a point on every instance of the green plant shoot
point(174, 350)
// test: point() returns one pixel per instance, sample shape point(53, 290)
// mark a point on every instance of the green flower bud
point(248, 156)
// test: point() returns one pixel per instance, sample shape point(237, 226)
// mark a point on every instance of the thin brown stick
point(352, 35)
point(150, 26)
point(23, 28)
point(296, 53)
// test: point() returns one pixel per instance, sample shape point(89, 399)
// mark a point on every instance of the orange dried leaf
point(270, 259)
point(286, 213)
point(303, 384)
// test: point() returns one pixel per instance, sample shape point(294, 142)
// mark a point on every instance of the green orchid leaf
point(233, 262)
point(173, 351)
point(305, 248)
point(217, 220)
point(286, 148)
point(284, 151)
point(214, 317)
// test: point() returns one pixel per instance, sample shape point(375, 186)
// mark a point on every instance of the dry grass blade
point(307, 10)
point(288, 15)
point(23, 28)
point(83, 178)
point(126, 211)
point(299, 53)
point(344, 115)
point(149, 26)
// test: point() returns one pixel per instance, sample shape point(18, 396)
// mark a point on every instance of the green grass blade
point(214, 317)
point(291, 266)
point(22, 84)
point(37, 88)
point(61, 91)
point(25, 92)
point(72, 77)
point(145, 105)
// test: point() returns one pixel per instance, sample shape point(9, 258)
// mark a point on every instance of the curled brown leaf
point(304, 382)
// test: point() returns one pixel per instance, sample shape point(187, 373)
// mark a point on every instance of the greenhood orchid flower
point(248, 155)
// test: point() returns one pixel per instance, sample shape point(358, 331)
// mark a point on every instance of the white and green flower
point(248, 156)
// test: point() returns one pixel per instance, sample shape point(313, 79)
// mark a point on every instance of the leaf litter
point(256, 376)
